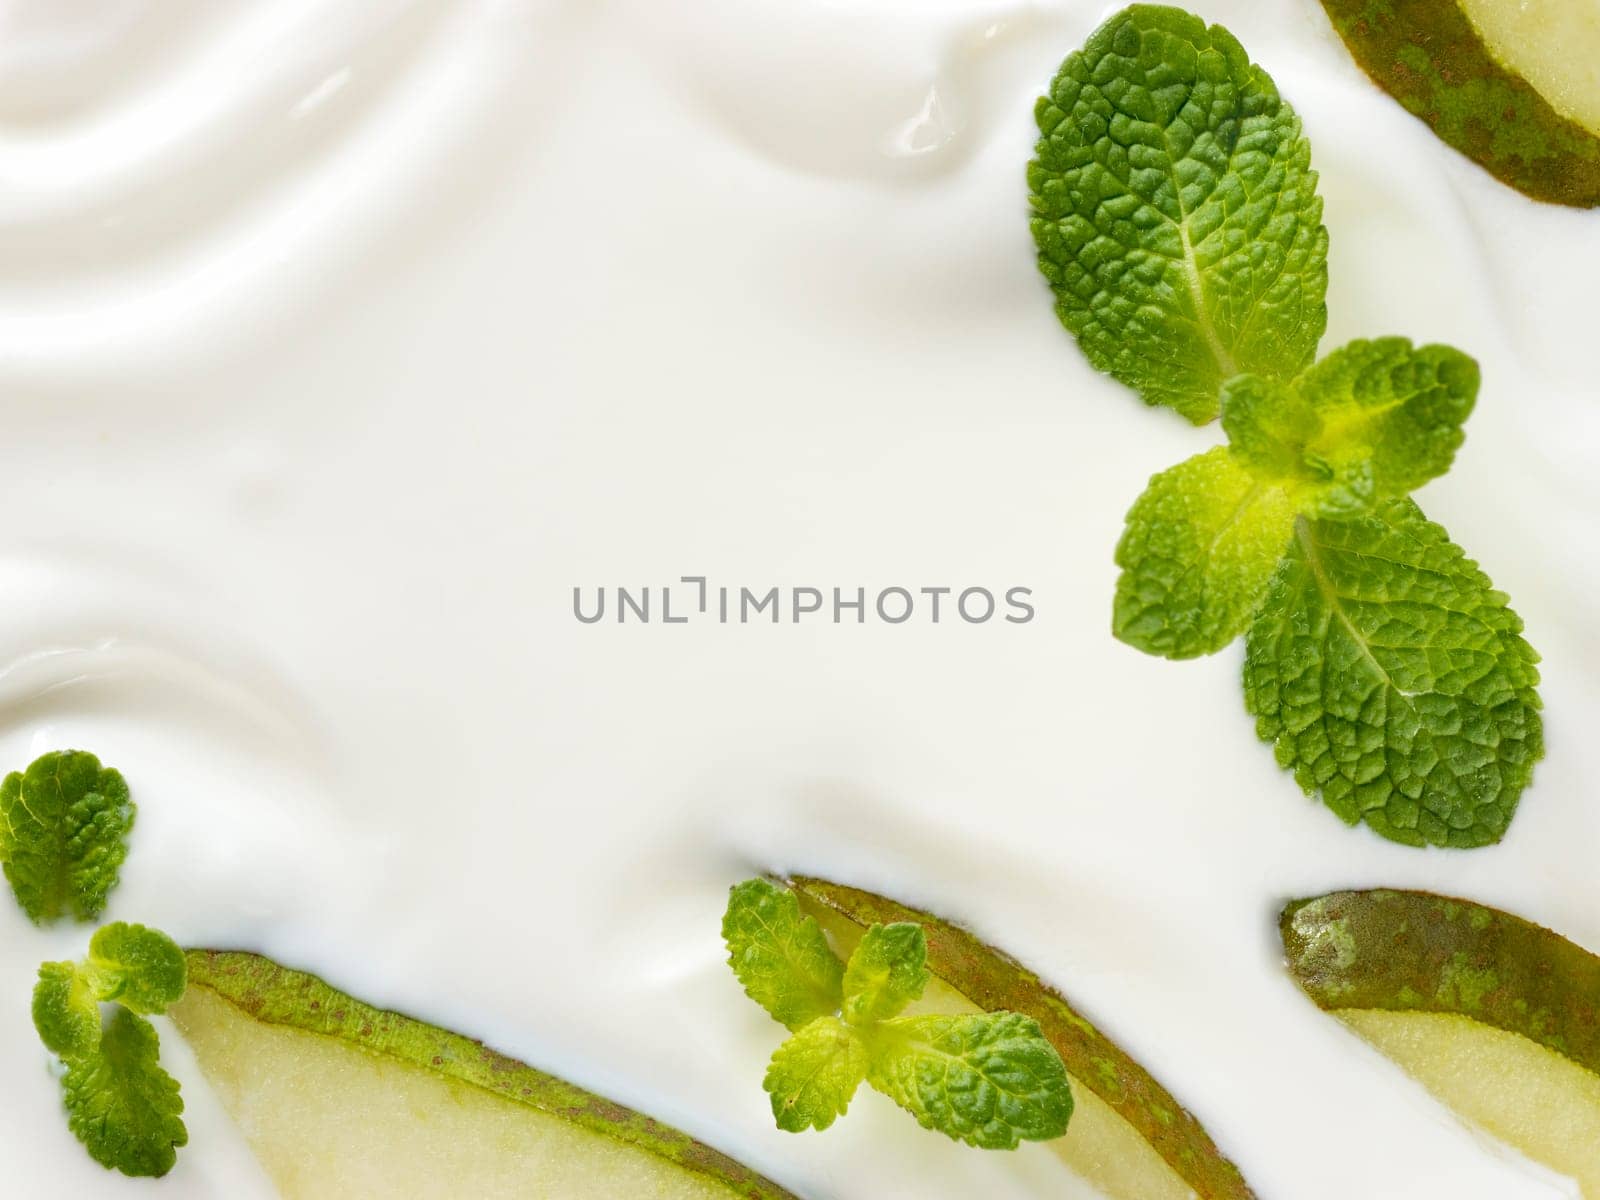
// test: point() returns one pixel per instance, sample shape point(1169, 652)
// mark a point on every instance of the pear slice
point(338, 1098)
point(1553, 44)
point(1497, 1017)
point(1512, 84)
point(1128, 1136)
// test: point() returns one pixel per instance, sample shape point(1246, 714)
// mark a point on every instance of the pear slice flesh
point(1498, 1017)
point(1128, 1137)
point(1553, 44)
point(337, 1098)
point(1512, 1088)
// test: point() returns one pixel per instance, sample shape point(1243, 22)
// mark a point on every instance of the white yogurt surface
point(341, 339)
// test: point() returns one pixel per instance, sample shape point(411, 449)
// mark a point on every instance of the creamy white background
point(339, 341)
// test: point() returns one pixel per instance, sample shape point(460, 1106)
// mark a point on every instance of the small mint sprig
point(991, 1080)
point(121, 1104)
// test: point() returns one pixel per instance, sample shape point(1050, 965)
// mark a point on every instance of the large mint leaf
point(1393, 680)
point(1175, 211)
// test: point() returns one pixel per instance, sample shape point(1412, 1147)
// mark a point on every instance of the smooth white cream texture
point(340, 341)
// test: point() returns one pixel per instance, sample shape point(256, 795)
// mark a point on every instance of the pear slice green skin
point(1418, 952)
point(988, 979)
point(438, 1072)
point(1498, 1017)
point(1428, 55)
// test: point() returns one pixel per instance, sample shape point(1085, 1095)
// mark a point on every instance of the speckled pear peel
point(1429, 57)
point(1417, 952)
point(1497, 1016)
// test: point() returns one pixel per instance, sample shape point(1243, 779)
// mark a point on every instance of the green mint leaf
point(121, 1105)
point(990, 1079)
point(1393, 679)
point(63, 825)
point(814, 1075)
point(888, 971)
point(1373, 420)
point(142, 969)
point(65, 1011)
point(1175, 211)
point(782, 959)
point(1370, 421)
point(1197, 553)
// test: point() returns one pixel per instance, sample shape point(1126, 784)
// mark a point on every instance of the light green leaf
point(63, 822)
point(989, 1079)
point(1393, 679)
point(65, 1011)
point(1175, 211)
point(888, 971)
point(782, 959)
point(1373, 420)
point(1197, 553)
point(814, 1075)
point(121, 1105)
point(140, 968)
